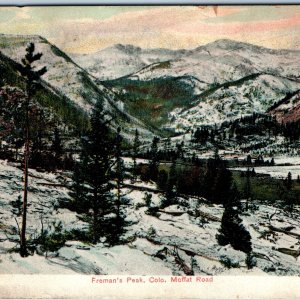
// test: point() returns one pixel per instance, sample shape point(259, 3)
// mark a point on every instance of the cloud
point(88, 29)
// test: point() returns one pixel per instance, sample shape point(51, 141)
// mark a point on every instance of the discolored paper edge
point(148, 287)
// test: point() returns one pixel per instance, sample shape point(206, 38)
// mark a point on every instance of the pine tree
point(56, 147)
point(154, 162)
point(289, 182)
point(119, 167)
point(12, 102)
point(233, 232)
point(37, 132)
point(17, 206)
point(287, 192)
point(249, 160)
point(136, 145)
point(31, 78)
point(78, 189)
point(95, 174)
point(168, 145)
point(118, 225)
point(162, 180)
point(247, 188)
point(221, 189)
point(217, 180)
point(171, 184)
point(209, 178)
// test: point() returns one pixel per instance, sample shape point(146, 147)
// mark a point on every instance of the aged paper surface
point(150, 152)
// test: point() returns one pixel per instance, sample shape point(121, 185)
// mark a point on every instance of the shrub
point(228, 263)
point(53, 241)
point(233, 232)
point(147, 198)
point(250, 261)
point(151, 232)
point(153, 211)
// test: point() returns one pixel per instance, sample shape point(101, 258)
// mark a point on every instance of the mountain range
point(120, 60)
point(163, 90)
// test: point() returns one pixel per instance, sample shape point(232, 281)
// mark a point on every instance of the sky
point(88, 29)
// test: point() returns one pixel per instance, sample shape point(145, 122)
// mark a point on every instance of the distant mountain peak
point(227, 44)
point(130, 49)
point(31, 37)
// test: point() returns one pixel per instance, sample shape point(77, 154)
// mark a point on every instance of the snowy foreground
point(170, 243)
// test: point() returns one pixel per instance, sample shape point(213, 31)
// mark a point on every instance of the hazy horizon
point(89, 29)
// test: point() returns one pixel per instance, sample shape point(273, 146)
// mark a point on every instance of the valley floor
point(179, 239)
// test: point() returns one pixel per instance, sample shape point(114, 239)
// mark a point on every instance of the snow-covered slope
point(232, 102)
point(62, 74)
point(66, 79)
point(180, 238)
point(225, 79)
point(227, 60)
point(120, 60)
point(176, 90)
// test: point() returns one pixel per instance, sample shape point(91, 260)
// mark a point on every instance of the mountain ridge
point(216, 73)
point(187, 90)
point(68, 80)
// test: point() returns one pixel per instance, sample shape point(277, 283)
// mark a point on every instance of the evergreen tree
point(216, 154)
point(78, 189)
point(38, 131)
point(12, 102)
point(154, 162)
point(289, 182)
point(93, 187)
point(41, 125)
point(247, 188)
point(36, 149)
point(217, 180)
point(119, 166)
point(31, 76)
point(171, 187)
point(148, 199)
point(56, 147)
point(171, 184)
point(233, 232)
point(167, 145)
point(179, 150)
point(119, 223)
point(234, 198)
point(221, 190)
point(162, 180)
point(286, 192)
point(136, 145)
point(209, 177)
point(249, 160)
point(17, 206)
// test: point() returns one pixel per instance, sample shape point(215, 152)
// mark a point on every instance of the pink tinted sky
point(89, 29)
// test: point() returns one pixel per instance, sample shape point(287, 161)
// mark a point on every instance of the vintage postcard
point(150, 152)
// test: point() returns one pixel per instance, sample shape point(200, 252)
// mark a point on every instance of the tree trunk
point(17, 152)
point(95, 218)
point(23, 249)
point(118, 197)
